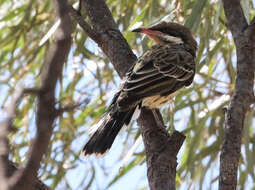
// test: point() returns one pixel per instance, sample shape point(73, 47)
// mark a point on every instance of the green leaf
point(17, 12)
point(195, 17)
point(139, 17)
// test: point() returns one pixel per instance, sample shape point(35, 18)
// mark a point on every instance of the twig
point(34, 91)
point(83, 24)
point(158, 118)
point(68, 108)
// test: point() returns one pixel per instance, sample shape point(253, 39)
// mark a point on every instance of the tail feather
point(108, 128)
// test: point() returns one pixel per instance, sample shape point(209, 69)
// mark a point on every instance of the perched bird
point(152, 81)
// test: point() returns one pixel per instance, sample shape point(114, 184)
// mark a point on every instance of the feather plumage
point(153, 81)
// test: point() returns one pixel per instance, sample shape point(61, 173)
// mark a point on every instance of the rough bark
point(161, 150)
point(25, 178)
point(111, 41)
point(13, 167)
point(243, 96)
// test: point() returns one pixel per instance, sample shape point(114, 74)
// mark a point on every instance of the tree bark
point(243, 96)
point(110, 40)
point(161, 151)
point(13, 167)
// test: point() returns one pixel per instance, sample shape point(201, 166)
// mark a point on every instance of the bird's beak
point(147, 31)
point(137, 30)
point(151, 33)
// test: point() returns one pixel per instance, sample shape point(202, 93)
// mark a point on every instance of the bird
point(152, 82)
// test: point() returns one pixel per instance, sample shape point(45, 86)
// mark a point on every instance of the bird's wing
point(161, 70)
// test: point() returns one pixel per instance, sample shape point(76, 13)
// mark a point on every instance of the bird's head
point(169, 32)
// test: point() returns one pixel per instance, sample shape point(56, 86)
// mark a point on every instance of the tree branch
point(34, 91)
point(108, 37)
point(243, 93)
point(71, 107)
point(24, 179)
point(13, 167)
point(4, 131)
point(111, 41)
point(235, 18)
point(161, 151)
point(83, 24)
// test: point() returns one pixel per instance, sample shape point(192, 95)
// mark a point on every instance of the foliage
point(89, 77)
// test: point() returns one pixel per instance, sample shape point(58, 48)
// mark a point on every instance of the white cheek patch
point(174, 39)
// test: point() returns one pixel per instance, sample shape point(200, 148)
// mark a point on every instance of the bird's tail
point(106, 130)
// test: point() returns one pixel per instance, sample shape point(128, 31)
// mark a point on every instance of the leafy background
point(89, 77)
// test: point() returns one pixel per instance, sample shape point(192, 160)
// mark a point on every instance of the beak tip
point(137, 30)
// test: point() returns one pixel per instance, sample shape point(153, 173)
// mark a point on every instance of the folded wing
point(161, 71)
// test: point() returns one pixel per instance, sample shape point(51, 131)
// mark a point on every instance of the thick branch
point(161, 151)
point(243, 93)
point(46, 114)
point(111, 41)
point(235, 18)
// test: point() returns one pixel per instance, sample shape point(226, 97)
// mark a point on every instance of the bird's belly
point(158, 101)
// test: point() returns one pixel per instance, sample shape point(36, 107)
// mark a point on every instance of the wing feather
point(164, 69)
